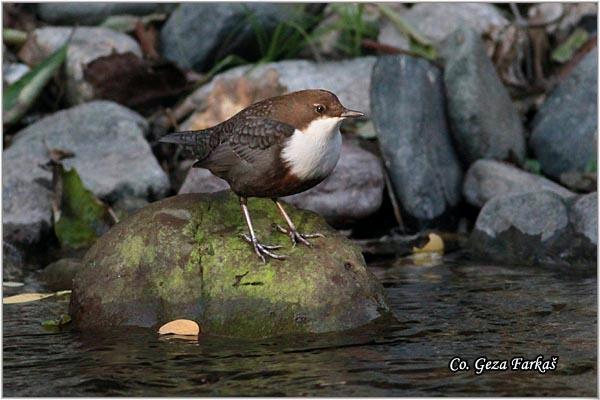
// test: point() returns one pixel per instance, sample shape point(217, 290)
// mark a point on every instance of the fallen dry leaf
point(434, 245)
point(180, 327)
point(29, 297)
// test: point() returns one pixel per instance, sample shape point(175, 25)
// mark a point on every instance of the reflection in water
point(443, 310)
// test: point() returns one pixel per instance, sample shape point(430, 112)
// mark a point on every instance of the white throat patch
point(314, 152)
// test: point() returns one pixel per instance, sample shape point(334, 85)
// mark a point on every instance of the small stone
point(87, 45)
point(183, 256)
point(92, 13)
point(484, 122)
point(13, 72)
point(408, 112)
point(487, 179)
point(201, 180)
point(12, 262)
point(59, 274)
point(565, 129)
point(112, 158)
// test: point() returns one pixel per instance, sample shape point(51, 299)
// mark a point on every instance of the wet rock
point(484, 122)
point(584, 217)
point(437, 21)
point(408, 113)
point(487, 179)
point(565, 130)
point(59, 274)
point(111, 156)
point(348, 79)
point(12, 262)
point(193, 44)
point(87, 45)
point(353, 191)
point(530, 229)
point(93, 13)
point(583, 182)
point(183, 258)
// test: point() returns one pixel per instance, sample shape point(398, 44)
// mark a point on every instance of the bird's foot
point(296, 237)
point(263, 250)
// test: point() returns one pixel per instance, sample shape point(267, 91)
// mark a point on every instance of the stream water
point(452, 309)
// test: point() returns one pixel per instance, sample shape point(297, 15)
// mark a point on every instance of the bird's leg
point(261, 249)
point(291, 231)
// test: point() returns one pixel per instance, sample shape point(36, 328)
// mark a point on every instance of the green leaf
point(13, 37)
point(565, 51)
point(82, 216)
point(592, 166)
point(533, 166)
point(19, 96)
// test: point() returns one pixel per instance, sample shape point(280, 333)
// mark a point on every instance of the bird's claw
point(296, 237)
point(262, 250)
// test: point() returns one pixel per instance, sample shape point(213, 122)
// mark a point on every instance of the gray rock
point(89, 13)
point(87, 45)
point(530, 229)
point(195, 33)
point(13, 72)
point(12, 262)
point(348, 79)
point(182, 257)
point(59, 274)
point(484, 122)
point(487, 179)
point(201, 180)
point(408, 113)
point(565, 133)
point(111, 156)
point(353, 191)
point(437, 21)
point(584, 216)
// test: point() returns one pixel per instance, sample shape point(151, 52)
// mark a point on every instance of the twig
point(388, 49)
point(394, 201)
point(403, 26)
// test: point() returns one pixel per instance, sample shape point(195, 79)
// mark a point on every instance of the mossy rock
point(183, 257)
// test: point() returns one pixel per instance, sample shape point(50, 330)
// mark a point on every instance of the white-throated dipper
point(277, 147)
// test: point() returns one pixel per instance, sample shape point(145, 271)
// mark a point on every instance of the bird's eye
point(320, 108)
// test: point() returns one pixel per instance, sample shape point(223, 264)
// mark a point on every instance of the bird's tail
point(200, 143)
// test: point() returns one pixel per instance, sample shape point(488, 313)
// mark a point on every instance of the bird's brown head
point(306, 106)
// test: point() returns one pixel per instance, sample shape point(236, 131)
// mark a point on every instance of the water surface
point(445, 310)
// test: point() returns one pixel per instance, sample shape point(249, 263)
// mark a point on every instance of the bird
point(276, 147)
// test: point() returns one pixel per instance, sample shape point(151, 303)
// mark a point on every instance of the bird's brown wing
point(252, 136)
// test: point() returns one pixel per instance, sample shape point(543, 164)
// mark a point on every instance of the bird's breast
point(313, 152)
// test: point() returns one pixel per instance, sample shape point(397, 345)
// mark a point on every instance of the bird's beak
point(351, 114)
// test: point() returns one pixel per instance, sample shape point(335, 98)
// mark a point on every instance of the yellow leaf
point(180, 327)
point(28, 297)
point(25, 298)
point(434, 245)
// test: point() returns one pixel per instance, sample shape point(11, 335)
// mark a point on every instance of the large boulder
point(111, 156)
point(484, 121)
point(86, 45)
point(487, 179)
point(183, 257)
point(531, 229)
point(353, 191)
point(408, 113)
point(199, 33)
point(565, 130)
